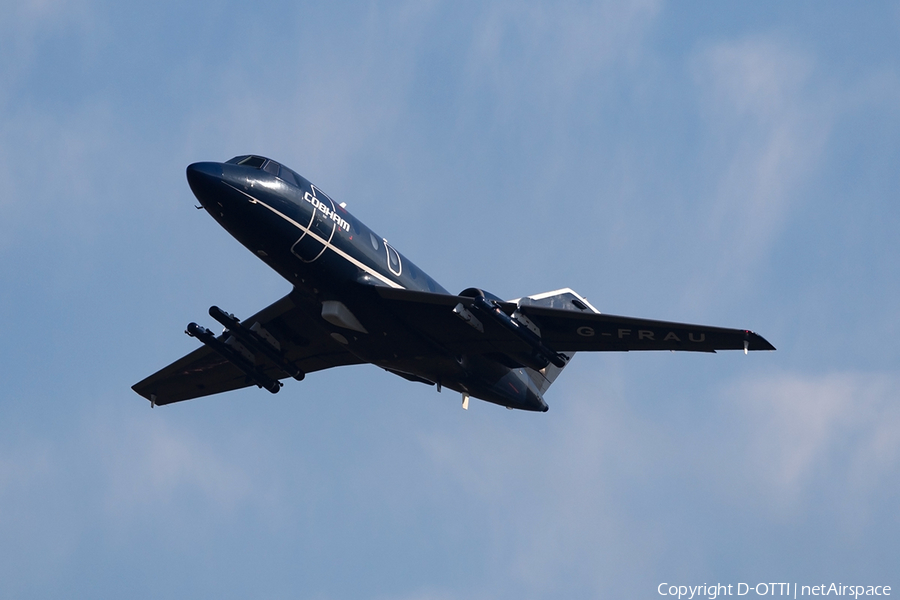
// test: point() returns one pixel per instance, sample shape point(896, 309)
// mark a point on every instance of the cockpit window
point(271, 167)
point(253, 161)
point(236, 160)
point(288, 176)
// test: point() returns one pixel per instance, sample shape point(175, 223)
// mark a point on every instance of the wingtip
point(758, 342)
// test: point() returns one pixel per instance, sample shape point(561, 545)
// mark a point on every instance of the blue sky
point(710, 163)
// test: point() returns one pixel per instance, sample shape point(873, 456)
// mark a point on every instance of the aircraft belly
point(390, 342)
point(506, 387)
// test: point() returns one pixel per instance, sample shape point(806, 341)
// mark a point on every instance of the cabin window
point(288, 176)
point(374, 240)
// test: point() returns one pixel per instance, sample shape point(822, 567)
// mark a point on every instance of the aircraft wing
point(304, 344)
point(561, 329)
point(568, 331)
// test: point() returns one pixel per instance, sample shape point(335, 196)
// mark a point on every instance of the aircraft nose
point(203, 177)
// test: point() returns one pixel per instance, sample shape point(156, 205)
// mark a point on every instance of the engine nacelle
point(492, 309)
point(479, 293)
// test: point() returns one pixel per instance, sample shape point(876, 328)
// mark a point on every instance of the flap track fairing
point(257, 339)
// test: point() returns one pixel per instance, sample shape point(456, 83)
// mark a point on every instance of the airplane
point(357, 300)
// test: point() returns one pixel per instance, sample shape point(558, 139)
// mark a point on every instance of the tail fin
point(564, 299)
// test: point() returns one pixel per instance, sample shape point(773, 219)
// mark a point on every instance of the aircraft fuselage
point(326, 253)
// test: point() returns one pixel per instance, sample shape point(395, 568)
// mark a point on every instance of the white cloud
point(818, 439)
point(341, 90)
point(538, 55)
point(28, 26)
point(151, 465)
point(600, 494)
point(53, 172)
point(553, 494)
point(769, 118)
point(578, 497)
point(133, 466)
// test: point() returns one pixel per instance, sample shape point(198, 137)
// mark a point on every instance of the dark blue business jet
point(357, 300)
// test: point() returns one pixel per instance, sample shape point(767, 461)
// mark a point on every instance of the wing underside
point(440, 325)
point(568, 331)
point(304, 344)
point(576, 328)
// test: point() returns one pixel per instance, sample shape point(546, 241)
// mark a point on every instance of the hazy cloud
point(536, 55)
point(769, 119)
point(806, 434)
point(152, 466)
point(638, 152)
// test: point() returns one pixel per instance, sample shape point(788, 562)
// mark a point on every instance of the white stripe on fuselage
point(325, 243)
